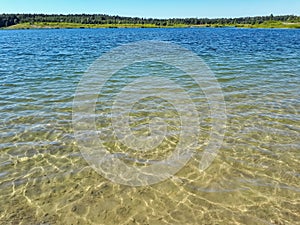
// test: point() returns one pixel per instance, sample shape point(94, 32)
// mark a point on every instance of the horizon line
point(140, 17)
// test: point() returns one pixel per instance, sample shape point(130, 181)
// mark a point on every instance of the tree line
point(7, 20)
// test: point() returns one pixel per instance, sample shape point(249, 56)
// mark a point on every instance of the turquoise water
point(253, 180)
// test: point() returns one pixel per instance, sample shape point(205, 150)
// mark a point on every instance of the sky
point(155, 8)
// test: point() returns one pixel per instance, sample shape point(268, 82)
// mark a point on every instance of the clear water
point(253, 180)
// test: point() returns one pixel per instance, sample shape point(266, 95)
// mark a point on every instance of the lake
point(254, 178)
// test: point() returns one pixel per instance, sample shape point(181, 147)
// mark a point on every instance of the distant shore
point(63, 25)
point(57, 21)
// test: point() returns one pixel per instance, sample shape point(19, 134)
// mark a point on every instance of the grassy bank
point(53, 25)
point(59, 25)
point(268, 24)
point(271, 24)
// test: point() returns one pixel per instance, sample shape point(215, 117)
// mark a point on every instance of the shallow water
point(253, 180)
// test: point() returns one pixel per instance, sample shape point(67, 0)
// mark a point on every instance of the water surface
point(253, 180)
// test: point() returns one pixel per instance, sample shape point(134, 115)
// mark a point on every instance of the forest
point(7, 20)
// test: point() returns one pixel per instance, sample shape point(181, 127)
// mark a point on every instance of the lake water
point(254, 179)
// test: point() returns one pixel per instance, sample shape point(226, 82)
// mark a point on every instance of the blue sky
point(156, 8)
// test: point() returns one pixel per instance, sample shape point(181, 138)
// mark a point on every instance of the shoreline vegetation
point(62, 25)
point(43, 21)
